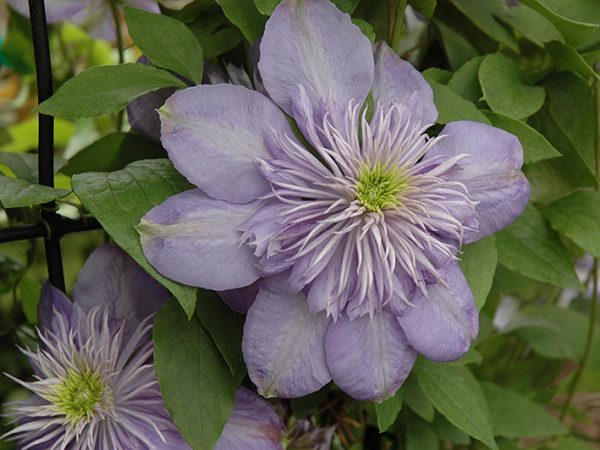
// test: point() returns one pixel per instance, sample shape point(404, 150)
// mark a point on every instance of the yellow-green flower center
point(79, 394)
point(378, 188)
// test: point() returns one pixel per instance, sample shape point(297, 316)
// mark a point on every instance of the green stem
point(120, 48)
point(596, 282)
point(398, 25)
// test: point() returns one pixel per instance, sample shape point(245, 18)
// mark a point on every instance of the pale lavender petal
point(313, 44)
point(142, 115)
point(368, 357)
point(398, 81)
point(214, 134)
point(111, 278)
point(283, 342)
point(53, 302)
point(252, 425)
point(56, 10)
point(193, 239)
point(241, 299)
point(491, 172)
point(442, 326)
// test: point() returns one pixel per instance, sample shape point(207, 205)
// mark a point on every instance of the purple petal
point(313, 44)
point(252, 425)
point(283, 343)
point(53, 302)
point(398, 81)
point(442, 326)
point(111, 278)
point(369, 357)
point(491, 172)
point(142, 114)
point(193, 239)
point(241, 299)
point(215, 133)
point(56, 10)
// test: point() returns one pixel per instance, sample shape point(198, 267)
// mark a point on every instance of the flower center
point(378, 188)
point(79, 394)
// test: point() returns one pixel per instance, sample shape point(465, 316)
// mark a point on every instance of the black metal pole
point(39, 30)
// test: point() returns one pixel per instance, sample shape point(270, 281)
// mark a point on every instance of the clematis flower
point(354, 229)
point(95, 385)
point(94, 16)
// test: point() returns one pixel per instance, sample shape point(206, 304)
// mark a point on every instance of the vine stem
point(396, 11)
point(595, 281)
point(120, 48)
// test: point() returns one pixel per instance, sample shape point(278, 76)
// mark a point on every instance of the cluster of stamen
point(378, 189)
point(79, 394)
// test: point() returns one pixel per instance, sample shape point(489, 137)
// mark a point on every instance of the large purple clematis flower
point(354, 230)
point(94, 16)
point(95, 386)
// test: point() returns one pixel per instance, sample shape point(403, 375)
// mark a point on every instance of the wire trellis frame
point(52, 226)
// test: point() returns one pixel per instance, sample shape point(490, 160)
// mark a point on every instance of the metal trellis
point(52, 226)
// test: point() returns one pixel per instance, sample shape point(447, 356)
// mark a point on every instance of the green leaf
point(531, 24)
point(23, 136)
point(215, 34)
point(457, 395)
point(416, 400)
point(452, 106)
point(571, 105)
point(167, 42)
point(448, 432)
point(29, 290)
point(388, 410)
point(366, 28)
point(15, 193)
point(438, 75)
point(575, 32)
point(266, 7)
point(465, 81)
point(478, 263)
point(504, 90)
point(515, 416)
point(567, 59)
point(244, 15)
point(119, 200)
point(530, 247)
point(577, 216)
point(420, 435)
point(458, 49)
point(195, 383)
point(481, 13)
point(535, 146)
point(427, 7)
point(106, 89)
point(113, 152)
point(23, 165)
point(572, 443)
point(225, 326)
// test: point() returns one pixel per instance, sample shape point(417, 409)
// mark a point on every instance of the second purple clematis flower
point(355, 231)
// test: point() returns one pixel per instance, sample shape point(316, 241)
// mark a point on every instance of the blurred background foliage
point(525, 66)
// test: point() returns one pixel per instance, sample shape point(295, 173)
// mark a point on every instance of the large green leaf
point(416, 400)
point(266, 7)
point(452, 106)
point(15, 193)
point(533, 25)
point(244, 15)
point(504, 90)
point(515, 416)
point(167, 42)
point(458, 49)
point(387, 411)
point(465, 81)
point(457, 395)
point(567, 58)
point(535, 146)
point(571, 105)
point(577, 216)
point(226, 328)
point(196, 384)
point(23, 165)
point(448, 432)
point(113, 152)
point(215, 34)
point(119, 200)
point(420, 435)
point(478, 263)
point(106, 89)
point(530, 247)
point(481, 13)
point(575, 32)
